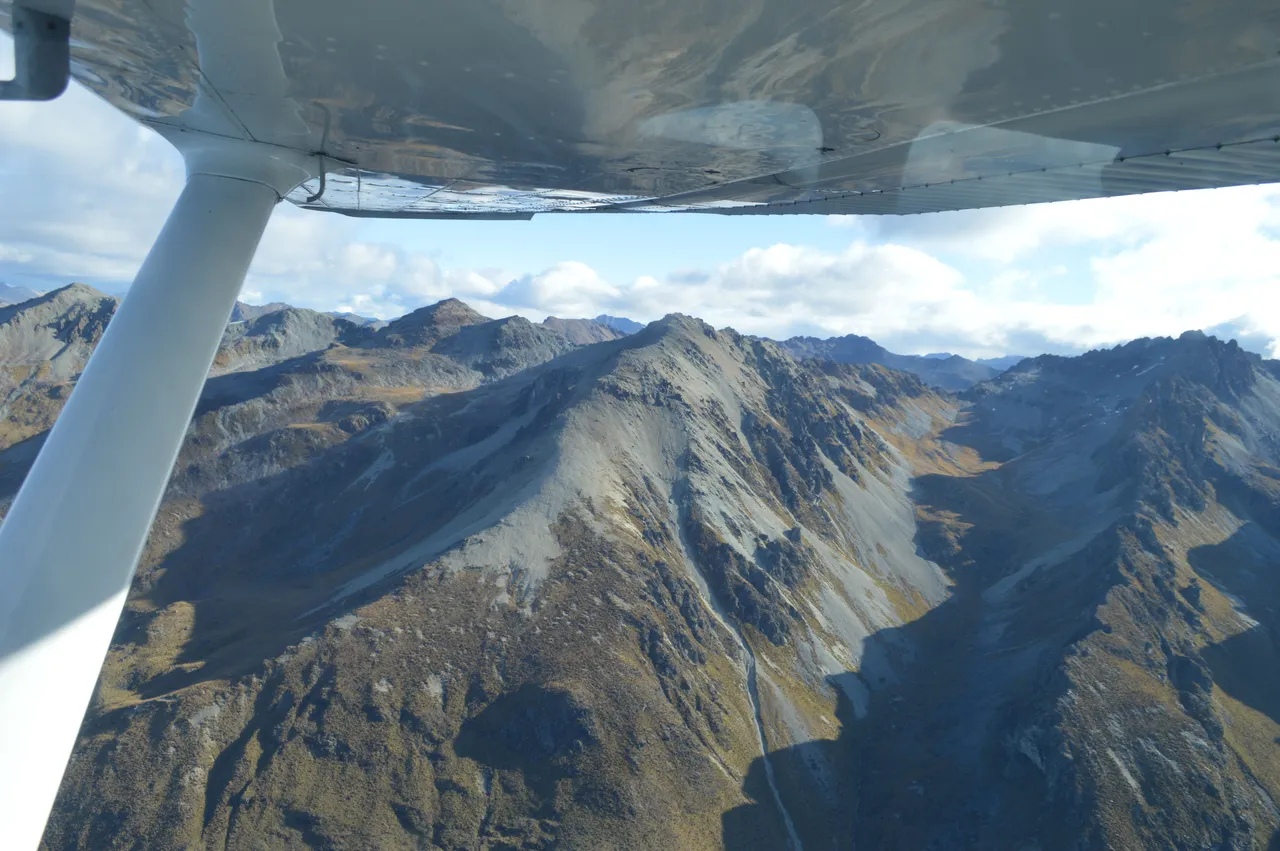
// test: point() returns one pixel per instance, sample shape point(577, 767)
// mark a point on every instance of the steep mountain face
point(44, 345)
point(945, 371)
point(1103, 673)
point(451, 584)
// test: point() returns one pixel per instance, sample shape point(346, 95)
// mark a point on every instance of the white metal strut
point(72, 538)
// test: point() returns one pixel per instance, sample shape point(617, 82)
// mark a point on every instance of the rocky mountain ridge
point(944, 370)
point(460, 583)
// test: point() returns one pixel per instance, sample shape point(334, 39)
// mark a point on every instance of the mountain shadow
point(1050, 703)
point(1246, 665)
point(945, 751)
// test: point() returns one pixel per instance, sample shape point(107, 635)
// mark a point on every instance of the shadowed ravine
point(753, 692)
point(681, 497)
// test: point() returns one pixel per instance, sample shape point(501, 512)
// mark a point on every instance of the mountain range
point(944, 370)
point(458, 583)
point(1000, 364)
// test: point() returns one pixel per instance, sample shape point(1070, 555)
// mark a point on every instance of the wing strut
point(73, 536)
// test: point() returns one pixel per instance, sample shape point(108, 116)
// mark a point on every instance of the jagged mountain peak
point(655, 504)
point(451, 311)
point(426, 325)
point(286, 314)
point(501, 347)
point(1154, 416)
point(62, 325)
point(243, 312)
point(45, 343)
point(683, 326)
point(1125, 369)
point(62, 297)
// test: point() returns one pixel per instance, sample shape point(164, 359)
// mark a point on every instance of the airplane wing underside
point(508, 108)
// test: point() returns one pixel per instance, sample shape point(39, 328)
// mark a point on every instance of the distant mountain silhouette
point(946, 371)
point(13, 295)
point(619, 323)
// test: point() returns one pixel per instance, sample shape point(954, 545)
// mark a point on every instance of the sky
point(84, 190)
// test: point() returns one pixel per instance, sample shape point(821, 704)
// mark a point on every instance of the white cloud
point(566, 289)
point(1211, 260)
point(323, 261)
point(85, 190)
point(1007, 234)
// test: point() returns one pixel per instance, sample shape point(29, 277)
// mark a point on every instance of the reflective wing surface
point(507, 108)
